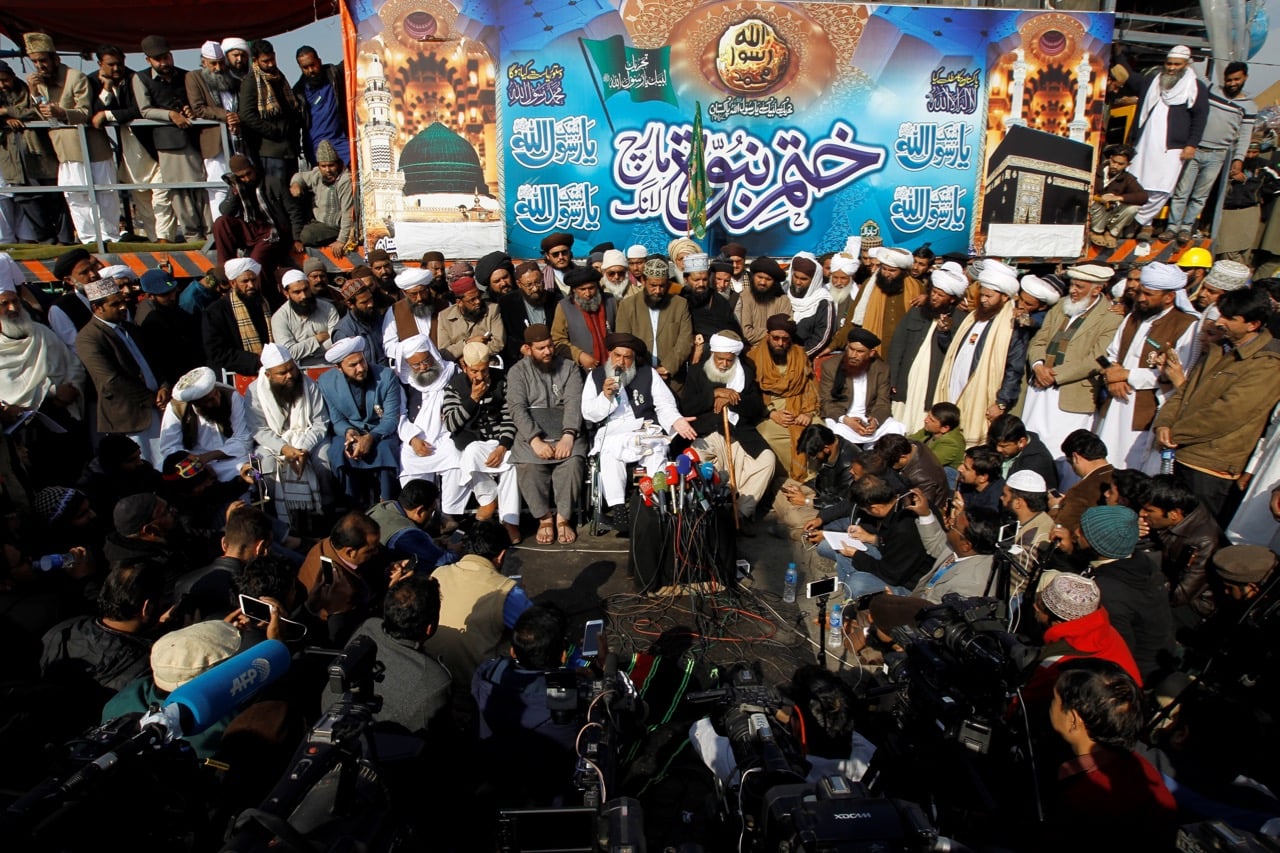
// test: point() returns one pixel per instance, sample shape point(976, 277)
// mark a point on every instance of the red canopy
point(85, 24)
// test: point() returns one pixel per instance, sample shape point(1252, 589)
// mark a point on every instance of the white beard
point(16, 328)
point(1076, 307)
point(716, 375)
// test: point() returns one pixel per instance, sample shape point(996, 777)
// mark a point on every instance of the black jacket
point(903, 559)
point(697, 402)
point(1186, 549)
point(834, 482)
point(222, 345)
point(1036, 457)
point(515, 321)
point(1186, 126)
point(1136, 598)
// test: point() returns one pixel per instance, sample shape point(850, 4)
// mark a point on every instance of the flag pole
point(582, 45)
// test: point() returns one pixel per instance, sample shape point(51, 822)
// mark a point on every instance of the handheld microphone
point(692, 456)
point(673, 473)
point(683, 465)
point(212, 695)
point(646, 490)
point(660, 486)
point(708, 472)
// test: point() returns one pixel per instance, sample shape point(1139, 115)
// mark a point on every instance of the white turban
point(1180, 51)
point(1118, 289)
point(292, 277)
point(237, 267)
point(950, 280)
point(1158, 276)
point(845, 264)
point(212, 50)
point(234, 43)
point(997, 276)
point(413, 345)
point(194, 385)
point(117, 271)
point(344, 348)
point(1040, 289)
point(698, 262)
point(414, 277)
point(724, 343)
point(899, 258)
point(613, 258)
point(274, 355)
point(853, 245)
point(637, 252)
point(10, 274)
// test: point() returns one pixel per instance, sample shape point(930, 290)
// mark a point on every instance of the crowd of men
point(234, 121)
point(1098, 445)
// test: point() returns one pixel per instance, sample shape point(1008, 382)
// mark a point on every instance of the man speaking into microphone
point(636, 414)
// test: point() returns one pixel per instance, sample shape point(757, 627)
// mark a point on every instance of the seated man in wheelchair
point(636, 415)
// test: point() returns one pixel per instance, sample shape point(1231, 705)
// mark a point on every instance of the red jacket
point(1110, 799)
point(1090, 636)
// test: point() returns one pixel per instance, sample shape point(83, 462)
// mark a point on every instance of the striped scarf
point(250, 340)
point(268, 102)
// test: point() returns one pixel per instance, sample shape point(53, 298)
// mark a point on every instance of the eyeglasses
point(616, 273)
point(558, 253)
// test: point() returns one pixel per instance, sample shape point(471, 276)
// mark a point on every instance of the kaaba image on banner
point(1038, 178)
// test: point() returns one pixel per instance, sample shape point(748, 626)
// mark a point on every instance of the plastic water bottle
point(835, 636)
point(1166, 461)
point(789, 584)
point(53, 562)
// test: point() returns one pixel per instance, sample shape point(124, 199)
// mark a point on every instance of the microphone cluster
point(686, 484)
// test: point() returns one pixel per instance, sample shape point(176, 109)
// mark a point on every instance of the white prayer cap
point(194, 385)
point(274, 355)
point(10, 273)
point(1158, 276)
point(237, 267)
point(475, 354)
point(1228, 276)
point(726, 342)
point(950, 279)
point(1027, 481)
point(115, 271)
point(1180, 51)
point(845, 264)
point(997, 276)
point(899, 258)
point(1040, 289)
point(344, 348)
point(613, 258)
point(414, 277)
point(698, 262)
point(637, 252)
point(1095, 273)
point(1117, 289)
point(234, 43)
point(853, 245)
point(212, 50)
point(413, 345)
point(292, 277)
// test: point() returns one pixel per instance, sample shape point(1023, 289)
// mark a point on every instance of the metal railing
point(93, 189)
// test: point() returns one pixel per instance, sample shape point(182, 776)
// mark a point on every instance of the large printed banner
point(491, 124)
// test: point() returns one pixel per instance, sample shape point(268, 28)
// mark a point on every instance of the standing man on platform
point(321, 94)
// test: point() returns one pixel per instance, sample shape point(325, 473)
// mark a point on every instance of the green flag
point(697, 177)
point(643, 73)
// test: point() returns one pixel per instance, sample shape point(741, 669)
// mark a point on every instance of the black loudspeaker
point(698, 546)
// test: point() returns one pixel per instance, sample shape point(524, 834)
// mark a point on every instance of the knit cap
point(1071, 597)
point(52, 502)
point(1112, 531)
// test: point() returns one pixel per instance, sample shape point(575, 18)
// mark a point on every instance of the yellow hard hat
point(1195, 257)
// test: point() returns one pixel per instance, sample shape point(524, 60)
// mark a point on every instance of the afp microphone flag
point(643, 73)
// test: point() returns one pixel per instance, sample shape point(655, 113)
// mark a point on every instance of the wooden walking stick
point(728, 457)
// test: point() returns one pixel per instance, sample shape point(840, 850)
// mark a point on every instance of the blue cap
point(157, 282)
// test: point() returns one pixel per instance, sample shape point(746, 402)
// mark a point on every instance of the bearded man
point(740, 277)
point(660, 320)
point(425, 445)
point(584, 319)
point(763, 298)
point(709, 311)
point(920, 344)
point(557, 252)
point(884, 300)
point(530, 304)
point(363, 318)
point(116, 105)
point(254, 218)
point(1172, 112)
point(496, 276)
point(384, 278)
point(787, 389)
point(982, 371)
point(304, 325)
point(812, 308)
point(207, 420)
point(287, 417)
point(854, 393)
point(544, 397)
point(324, 212)
point(364, 402)
point(634, 411)
point(844, 266)
point(272, 117)
point(1063, 356)
point(214, 95)
point(238, 324)
point(469, 320)
point(1135, 383)
point(75, 269)
point(237, 53)
point(722, 390)
point(411, 316)
point(475, 414)
point(616, 275)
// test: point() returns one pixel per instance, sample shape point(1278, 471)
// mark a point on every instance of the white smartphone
point(591, 638)
point(826, 586)
point(260, 611)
